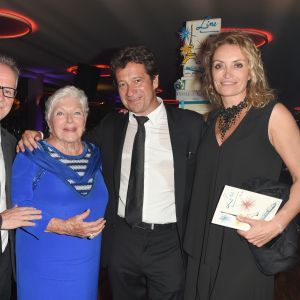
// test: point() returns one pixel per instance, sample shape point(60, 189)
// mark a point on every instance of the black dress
point(220, 265)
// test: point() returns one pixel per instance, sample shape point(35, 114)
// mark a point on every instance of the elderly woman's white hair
point(67, 91)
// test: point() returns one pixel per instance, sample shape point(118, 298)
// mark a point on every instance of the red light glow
point(99, 66)
point(74, 70)
point(171, 101)
point(260, 37)
point(159, 91)
point(14, 24)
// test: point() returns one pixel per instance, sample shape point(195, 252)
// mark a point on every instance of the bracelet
point(280, 227)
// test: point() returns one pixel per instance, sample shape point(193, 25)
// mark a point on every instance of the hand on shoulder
point(29, 139)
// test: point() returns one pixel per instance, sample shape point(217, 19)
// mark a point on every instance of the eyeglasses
point(8, 92)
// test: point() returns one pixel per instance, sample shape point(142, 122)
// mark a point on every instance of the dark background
point(84, 32)
point(87, 31)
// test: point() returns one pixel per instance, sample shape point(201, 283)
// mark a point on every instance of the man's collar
point(156, 114)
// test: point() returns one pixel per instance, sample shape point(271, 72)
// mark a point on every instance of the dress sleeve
point(23, 176)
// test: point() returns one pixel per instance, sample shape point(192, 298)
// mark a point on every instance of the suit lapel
point(119, 137)
point(179, 156)
point(7, 145)
point(8, 157)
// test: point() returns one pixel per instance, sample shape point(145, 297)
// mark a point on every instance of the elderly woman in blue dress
point(59, 257)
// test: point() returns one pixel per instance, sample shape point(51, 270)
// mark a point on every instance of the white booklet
point(238, 202)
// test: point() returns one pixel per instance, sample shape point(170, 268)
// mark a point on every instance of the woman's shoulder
point(23, 161)
point(280, 114)
point(28, 157)
point(279, 107)
point(93, 152)
point(274, 111)
point(264, 112)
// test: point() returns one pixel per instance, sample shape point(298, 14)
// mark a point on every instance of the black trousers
point(145, 264)
point(5, 274)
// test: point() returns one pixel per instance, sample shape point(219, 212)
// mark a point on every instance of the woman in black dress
point(248, 136)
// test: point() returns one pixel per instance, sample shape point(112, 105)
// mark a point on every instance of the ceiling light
point(260, 37)
point(13, 24)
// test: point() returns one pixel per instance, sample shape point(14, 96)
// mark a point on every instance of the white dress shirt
point(4, 233)
point(159, 192)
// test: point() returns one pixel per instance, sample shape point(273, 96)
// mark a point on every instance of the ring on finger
point(91, 236)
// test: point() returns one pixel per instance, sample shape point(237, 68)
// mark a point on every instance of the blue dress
point(52, 266)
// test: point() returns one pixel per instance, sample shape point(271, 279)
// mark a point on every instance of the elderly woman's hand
point(76, 226)
point(261, 232)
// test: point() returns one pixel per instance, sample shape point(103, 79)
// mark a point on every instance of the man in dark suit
point(10, 218)
point(145, 258)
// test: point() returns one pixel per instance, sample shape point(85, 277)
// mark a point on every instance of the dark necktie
point(135, 192)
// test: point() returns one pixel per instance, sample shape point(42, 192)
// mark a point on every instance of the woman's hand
point(76, 226)
point(261, 232)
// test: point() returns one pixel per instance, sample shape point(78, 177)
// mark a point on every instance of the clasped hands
point(261, 231)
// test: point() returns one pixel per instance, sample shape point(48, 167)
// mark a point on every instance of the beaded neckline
point(228, 116)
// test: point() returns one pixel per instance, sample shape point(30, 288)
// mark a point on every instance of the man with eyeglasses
point(10, 218)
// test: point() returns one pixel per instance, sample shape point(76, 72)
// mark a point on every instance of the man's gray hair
point(11, 63)
point(67, 91)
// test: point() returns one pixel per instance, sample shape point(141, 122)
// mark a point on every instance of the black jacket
point(186, 128)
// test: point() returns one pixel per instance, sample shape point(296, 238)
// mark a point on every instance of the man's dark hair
point(138, 55)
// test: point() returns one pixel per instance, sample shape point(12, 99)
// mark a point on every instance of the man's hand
point(19, 216)
point(29, 138)
point(76, 226)
point(123, 111)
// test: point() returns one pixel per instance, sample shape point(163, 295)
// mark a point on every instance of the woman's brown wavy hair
point(258, 91)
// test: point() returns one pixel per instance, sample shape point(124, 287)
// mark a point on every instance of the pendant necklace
point(227, 117)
